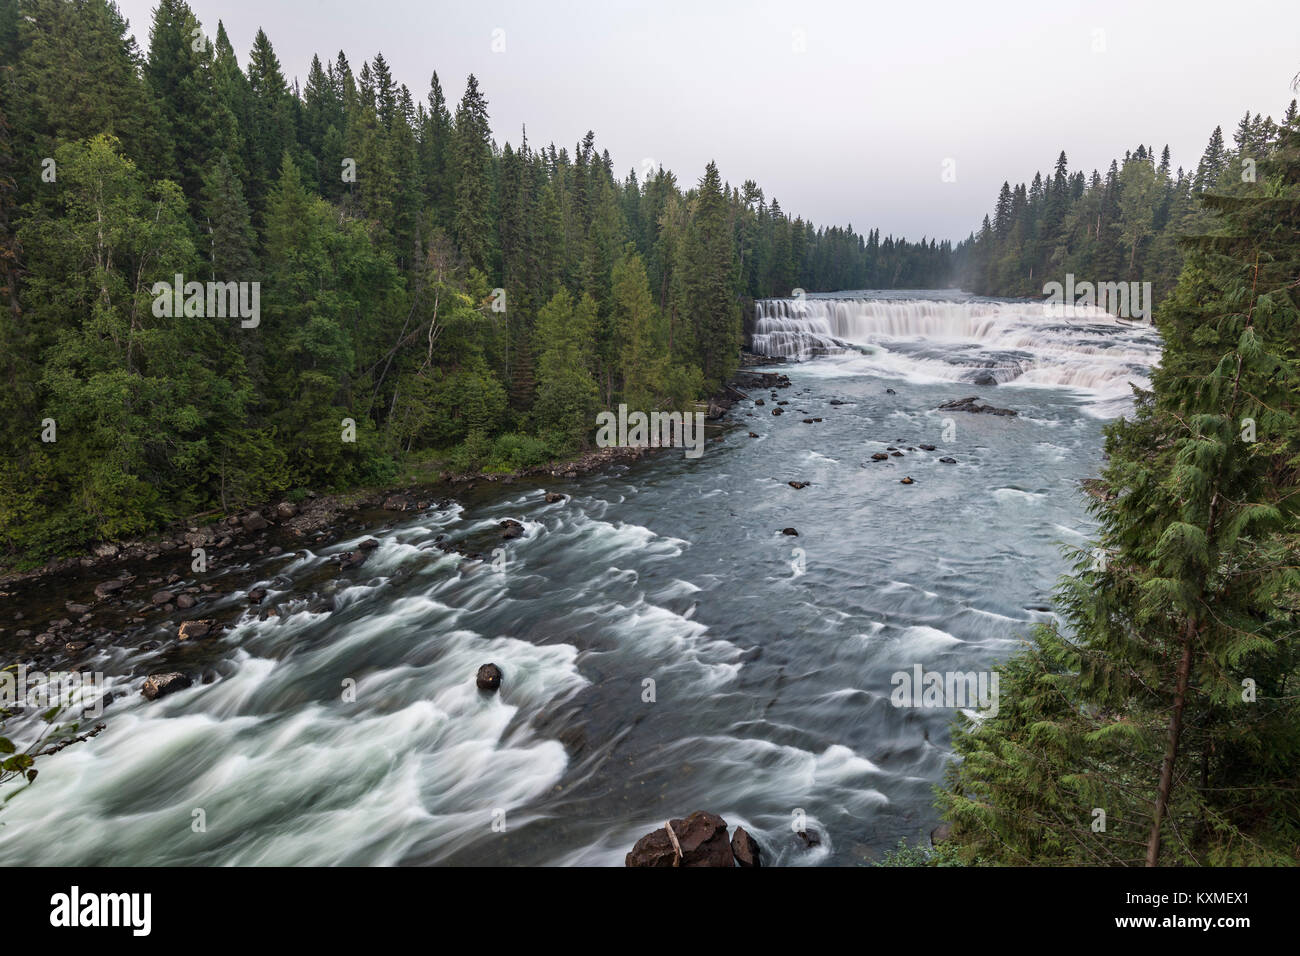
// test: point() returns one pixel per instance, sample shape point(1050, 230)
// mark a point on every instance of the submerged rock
point(790, 531)
point(194, 629)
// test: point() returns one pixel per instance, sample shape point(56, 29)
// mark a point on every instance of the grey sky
point(856, 127)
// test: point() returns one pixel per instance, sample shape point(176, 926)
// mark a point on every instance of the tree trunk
point(1171, 748)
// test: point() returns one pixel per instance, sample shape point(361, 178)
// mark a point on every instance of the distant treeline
point(462, 303)
point(1122, 226)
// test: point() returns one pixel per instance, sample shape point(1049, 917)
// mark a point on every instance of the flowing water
point(665, 647)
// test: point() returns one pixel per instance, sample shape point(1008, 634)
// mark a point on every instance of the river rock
point(971, 404)
point(510, 528)
point(907, 481)
point(759, 401)
point(554, 497)
point(702, 837)
point(880, 456)
point(753, 434)
point(185, 601)
point(790, 531)
point(194, 629)
point(256, 595)
point(927, 448)
point(890, 391)
point(745, 849)
point(948, 461)
point(104, 588)
point(488, 677)
point(162, 597)
point(984, 378)
point(78, 609)
point(160, 685)
point(778, 411)
point(253, 521)
point(399, 503)
point(797, 484)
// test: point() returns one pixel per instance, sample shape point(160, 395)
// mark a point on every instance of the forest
point(429, 298)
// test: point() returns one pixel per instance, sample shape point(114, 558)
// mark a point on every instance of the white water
point(965, 339)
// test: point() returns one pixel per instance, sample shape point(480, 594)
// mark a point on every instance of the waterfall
point(979, 341)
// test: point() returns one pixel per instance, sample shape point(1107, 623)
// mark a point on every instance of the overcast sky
point(844, 111)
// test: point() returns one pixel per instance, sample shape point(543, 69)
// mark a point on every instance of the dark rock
point(488, 677)
point(948, 461)
point(253, 521)
point(984, 378)
point(971, 404)
point(353, 559)
point(554, 497)
point(194, 629)
point(76, 647)
point(77, 609)
point(790, 531)
point(368, 545)
point(753, 434)
point(398, 503)
point(286, 510)
point(895, 454)
point(510, 528)
point(907, 481)
point(797, 484)
point(745, 849)
point(702, 837)
point(880, 456)
point(810, 838)
point(104, 588)
point(759, 401)
point(807, 421)
point(160, 685)
point(162, 597)
point(836, 401)
point(927, 448)
point(941, 834)
point(890, 391)
point(256, 595)
point(778, 411)
point(185, 601)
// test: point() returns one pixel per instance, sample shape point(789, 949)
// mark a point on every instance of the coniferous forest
point(463, 299)
point(410, 298)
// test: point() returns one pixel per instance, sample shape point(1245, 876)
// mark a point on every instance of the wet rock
point(253, 521)
point(160, 685)
point(810, 838)
point(816, 419)
point(948, 461)
point(286, 510)
point(702, 837)
point(398, 503)
point(353, 559)
point(488, 677)
point(836, 401)
point(162, 597)
point(554, 497)
point(906, 481)
point(753, 434)
point(807, 421)
point(759, 401)
point(971, 404)
point(880, 456)
point(778, 411)
point(104, 588)
point(895, 454)
point(185, 601)
point(78, 609)
point(76, 647)
point(984, 378)
point(927, 448)
point(370, 544)
point(510, 528)
point(797, 484)
point(256, 595)
point(745, 849)
point(790, 531)
point(190, 630)
point(890, 391)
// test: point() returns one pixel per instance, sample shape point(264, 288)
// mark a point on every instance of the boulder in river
point(797, 484)
point(256, 595)
point(948, 461)
point(984, 378)
point(554, 497)
point(778, 411)
point(510, 528)
point(160, 685)
point(104, 588)
point(488, 677)
point(790, 531)
point(971, 404)
point(745, 849)
point(698, 840)
point(927, 447)
point(880, 456)
point(162, 597)
point(399, 503)
point(194, 629)
point(907, 481)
